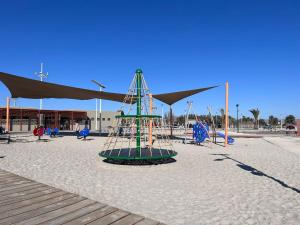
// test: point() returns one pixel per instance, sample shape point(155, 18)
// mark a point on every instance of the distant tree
point(290, 119)
point(255, 113)
point(262, 122)
point(273, 120)
point(167, 118)
point(222, 112)
point(247, 121)
point(232, 121)
point(180, 119)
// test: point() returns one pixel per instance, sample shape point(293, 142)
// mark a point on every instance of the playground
point(254, 181)
point(196, 174)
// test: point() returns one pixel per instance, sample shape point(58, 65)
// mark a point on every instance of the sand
point(255, 181)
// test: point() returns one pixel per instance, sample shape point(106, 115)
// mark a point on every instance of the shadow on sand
point(255, 171)
point(21, 140)
point(140, 162)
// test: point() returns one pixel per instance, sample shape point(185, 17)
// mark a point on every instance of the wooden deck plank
point(6, 173)
point(14, 184)
point(34, 210)
point(131, 219)
point(110, 218)
point(8, 176)
point(29, 196)
point(29, 201)
point(26, 202)
point(4, 180)
point(9, 180)
point(74, 215)
point(88, 218)
point(23, 193)
point(16, 187)
point(56, 213)
point(4, 193)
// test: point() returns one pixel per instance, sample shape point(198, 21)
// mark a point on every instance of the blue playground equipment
point(200, 132)
point(229, 139)
point(84, 133)
point(52, 132)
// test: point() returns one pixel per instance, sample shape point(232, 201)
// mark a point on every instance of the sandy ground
point(255, 181)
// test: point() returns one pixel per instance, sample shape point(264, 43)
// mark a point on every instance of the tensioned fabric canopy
point(172, 97)
point(21, 87)
point(28, 88)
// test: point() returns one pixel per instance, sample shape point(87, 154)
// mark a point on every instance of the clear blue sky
point(255, 45)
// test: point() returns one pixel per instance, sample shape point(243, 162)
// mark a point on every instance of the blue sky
point(178, 44)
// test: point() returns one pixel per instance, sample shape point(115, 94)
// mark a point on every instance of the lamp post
point(237, 117)
point(162, 114)
point(42, 75)
point(101, 86)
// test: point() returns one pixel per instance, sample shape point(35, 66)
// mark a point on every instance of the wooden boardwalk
point(26, 202)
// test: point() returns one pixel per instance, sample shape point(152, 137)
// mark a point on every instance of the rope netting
point(138, 134)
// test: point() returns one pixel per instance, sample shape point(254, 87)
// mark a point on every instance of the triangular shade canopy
point(172, 97)
point(21, 87)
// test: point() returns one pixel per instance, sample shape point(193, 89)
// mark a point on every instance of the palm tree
point(255, 113)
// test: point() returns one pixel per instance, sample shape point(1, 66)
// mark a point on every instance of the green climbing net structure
point(138, 134)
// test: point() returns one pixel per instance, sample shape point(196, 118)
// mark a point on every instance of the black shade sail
point(21, 87)
point(172, 97)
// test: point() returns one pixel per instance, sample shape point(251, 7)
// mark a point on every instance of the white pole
point(42, 75)
point(100, 105)
point(100, 110)
point(162, 114)
point(96, 116)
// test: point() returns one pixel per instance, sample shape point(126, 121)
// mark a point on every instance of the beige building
point(107, 119)
point(26, 119)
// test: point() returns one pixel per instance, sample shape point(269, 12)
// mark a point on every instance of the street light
point(100, 105)
point(237, 117)
point(42, 75)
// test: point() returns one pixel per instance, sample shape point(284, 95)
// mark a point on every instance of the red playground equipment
point(38, 131)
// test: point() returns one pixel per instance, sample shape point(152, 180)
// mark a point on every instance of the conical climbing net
point(138, 133)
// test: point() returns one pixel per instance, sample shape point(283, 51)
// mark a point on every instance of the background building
point(107, 119)
point(26, 119)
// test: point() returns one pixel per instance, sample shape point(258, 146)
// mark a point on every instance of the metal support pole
point(150, 120)
point(96, 115)
point(237, 118)
point(7, 114)
point(100, 106)
point(21, 120)
point(171, 121)
point(42, 75)
point(226, 113)
point(72, 120)
point(162, 114)
point(187, 119)
point(1, 118)
point(100, 111)
point(138, 112)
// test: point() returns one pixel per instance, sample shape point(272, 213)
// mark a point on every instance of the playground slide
point(230, 139)
point(200, 132)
